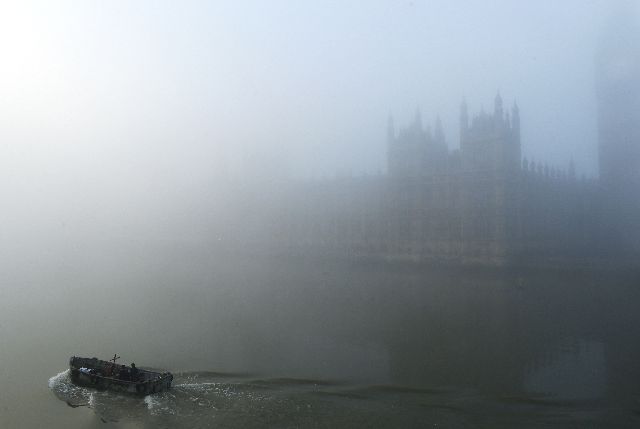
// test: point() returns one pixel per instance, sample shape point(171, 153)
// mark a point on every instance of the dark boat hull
point(103, 375)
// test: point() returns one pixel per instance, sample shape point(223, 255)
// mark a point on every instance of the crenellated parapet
point(539, 171)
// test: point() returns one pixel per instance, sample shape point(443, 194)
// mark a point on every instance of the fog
point(263, 188)
point(135, 105)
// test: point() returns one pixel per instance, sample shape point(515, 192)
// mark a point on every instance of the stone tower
point(618, 95)
point(490, 163)
point(618, 92)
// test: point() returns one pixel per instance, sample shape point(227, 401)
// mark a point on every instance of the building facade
point(482, 203)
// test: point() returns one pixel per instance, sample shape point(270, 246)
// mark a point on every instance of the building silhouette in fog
point(480, 204)
point(483, 203)
point(618, 92)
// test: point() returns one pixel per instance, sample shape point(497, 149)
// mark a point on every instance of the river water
point(280, 342)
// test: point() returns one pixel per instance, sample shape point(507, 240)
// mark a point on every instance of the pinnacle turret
point(497, 107)
point(464, 117)
point(438, 132)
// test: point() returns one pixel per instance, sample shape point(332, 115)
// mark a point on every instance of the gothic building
point(482, 203)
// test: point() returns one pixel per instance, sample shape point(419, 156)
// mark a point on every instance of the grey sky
point(140, 100)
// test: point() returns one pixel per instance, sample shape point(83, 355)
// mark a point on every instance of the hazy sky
point(136, 98)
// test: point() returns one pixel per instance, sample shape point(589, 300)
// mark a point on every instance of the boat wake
point(205, 399)
point(196, 399)
point(64, 389)
point(194, 395)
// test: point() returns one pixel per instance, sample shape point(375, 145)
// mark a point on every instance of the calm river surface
point(277, 342)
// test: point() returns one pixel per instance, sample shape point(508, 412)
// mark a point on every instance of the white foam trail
point(151, 402)
point(195, 385)
point(64, 389)
point(56, 380)
point(158, 405)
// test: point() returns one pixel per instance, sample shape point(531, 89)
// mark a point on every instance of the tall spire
point(464, 118)
point(438, 132)
point(497, 109)
point(515, 120)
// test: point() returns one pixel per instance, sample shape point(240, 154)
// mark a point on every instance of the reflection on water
point(487, 342)
point(309, 342)
point(575, 371)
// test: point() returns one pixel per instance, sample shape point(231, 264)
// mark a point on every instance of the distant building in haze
point(618, 92)
point(483, 203)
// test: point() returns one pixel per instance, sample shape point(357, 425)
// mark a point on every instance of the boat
point(107, 375)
